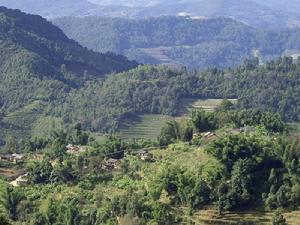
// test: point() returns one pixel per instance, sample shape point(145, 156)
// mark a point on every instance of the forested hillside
point(53, 69)
point(39, 63)
point(158, 90)
point(195, 43)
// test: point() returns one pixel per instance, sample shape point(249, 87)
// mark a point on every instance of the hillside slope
point(39, 63)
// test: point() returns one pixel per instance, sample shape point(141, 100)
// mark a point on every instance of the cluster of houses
point(13, 158)
point(210, 136)
point(111, 163)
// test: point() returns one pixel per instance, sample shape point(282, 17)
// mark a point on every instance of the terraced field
point(146, 126)
point(295, 128)
point(161, 54)
point(211, 217)
point(16, 123)
point(149, 126)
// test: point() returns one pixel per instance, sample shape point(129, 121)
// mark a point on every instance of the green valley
point(90, 138)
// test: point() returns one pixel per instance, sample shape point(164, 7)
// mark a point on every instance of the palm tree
point(9, 200)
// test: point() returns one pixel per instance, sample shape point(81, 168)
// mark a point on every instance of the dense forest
point(196, 43)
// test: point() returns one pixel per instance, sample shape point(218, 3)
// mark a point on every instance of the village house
point(75, 149)
point(196, 135)
point(144, 155)
point(111, 164)
point(5, 157)
point(21, 181)
point(209, 135)
point(14, 158)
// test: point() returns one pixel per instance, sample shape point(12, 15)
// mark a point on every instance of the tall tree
point(9, 200)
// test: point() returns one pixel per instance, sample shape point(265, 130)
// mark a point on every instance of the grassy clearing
point(188, 104)
point(188, 157)
point(146, 126)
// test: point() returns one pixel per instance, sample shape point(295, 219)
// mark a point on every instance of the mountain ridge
point(195, 43)
point(252, 12)
point(38, 57)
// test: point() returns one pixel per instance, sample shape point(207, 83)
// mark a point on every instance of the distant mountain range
point(51, 8)
point(266, 14)
point(177, 41)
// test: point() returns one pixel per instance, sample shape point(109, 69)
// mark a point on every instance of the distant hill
point(290, 6)
point(269, 14)
point(266, 14)
point(51, 8)
point(38, 63)
point(130, 3)
point(196, 43)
